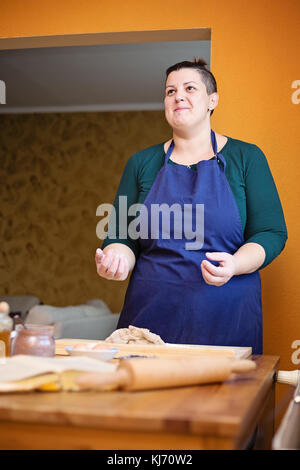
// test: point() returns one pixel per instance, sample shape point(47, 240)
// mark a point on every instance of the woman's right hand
point(112, 264)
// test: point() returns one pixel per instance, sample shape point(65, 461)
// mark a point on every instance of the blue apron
point(167, 293)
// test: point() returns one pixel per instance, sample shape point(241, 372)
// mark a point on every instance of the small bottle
point(6, 326)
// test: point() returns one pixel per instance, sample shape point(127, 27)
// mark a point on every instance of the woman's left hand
point(218, 275)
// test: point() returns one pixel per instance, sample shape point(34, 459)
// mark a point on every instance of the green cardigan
point(251, 182)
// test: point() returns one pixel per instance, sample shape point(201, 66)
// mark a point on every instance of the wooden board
point(166, 350)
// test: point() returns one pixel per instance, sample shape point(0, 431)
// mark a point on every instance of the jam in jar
point(34, 340)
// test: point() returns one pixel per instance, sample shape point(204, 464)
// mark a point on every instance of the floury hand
point(111, 264)
point(218, 275)
point(247, 259)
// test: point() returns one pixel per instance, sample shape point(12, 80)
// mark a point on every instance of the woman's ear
point(213, 101)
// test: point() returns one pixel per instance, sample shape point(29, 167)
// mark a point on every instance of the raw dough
point(134, 335)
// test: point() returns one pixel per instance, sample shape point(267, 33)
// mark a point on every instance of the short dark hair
point(199, 65)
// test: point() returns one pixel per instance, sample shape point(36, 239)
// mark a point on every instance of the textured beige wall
point(55, 169)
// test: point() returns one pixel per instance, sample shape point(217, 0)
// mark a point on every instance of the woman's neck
point(193, 147)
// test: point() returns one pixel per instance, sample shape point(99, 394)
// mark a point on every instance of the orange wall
point(255, 57)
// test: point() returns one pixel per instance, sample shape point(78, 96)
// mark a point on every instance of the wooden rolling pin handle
point(243, 366)
point(97, 381)
point(290, 377)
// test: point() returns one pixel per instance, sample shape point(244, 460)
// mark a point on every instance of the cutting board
point(164, 350)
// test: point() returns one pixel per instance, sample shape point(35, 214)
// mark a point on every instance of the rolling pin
point(153, 373)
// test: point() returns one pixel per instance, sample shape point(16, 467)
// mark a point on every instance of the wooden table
point(219, 416)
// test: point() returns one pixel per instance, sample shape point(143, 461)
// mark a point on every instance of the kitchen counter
point(218, 416)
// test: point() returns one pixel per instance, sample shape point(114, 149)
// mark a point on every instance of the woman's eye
point(169, 92)
point(190, 88)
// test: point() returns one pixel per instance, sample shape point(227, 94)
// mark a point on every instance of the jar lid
point(37, 328)
point(4, 308)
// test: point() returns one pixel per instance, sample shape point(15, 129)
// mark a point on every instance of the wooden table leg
point(265, 428)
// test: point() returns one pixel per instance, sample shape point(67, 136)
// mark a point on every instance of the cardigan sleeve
point(265, 222)
point(129, 190)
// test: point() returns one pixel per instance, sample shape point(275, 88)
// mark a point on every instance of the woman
point(206, 293)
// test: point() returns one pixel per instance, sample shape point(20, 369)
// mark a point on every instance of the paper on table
point(23, 367)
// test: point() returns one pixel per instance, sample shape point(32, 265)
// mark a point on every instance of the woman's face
point(186, 99)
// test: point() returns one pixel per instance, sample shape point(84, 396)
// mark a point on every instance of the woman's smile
point(181, 109)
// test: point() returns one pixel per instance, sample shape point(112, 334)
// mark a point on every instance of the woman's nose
point(179, 97)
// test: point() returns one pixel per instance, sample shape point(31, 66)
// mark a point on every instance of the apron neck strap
point(218, 156)
point(214, 142)
point(170, 150)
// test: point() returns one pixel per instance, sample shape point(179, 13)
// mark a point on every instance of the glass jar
point(6, 325)
point(34, 340)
